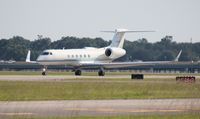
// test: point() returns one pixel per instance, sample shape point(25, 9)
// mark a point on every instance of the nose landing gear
point(44, 69)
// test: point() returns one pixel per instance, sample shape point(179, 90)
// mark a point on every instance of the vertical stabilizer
point(118, 38)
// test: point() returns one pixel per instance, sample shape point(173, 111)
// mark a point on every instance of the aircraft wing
point(125, 64)
point(129, 64)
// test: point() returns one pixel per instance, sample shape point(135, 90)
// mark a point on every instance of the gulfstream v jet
point(100, 58)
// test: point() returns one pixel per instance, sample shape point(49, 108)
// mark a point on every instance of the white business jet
point(91, 57)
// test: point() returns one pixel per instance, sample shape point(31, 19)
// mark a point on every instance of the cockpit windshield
point(46, 53)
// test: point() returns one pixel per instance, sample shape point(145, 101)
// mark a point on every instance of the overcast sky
point(85, 18)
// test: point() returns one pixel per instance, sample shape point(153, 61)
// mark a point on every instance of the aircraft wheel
point(101, 73)
point(43, 73)
point(78, 72)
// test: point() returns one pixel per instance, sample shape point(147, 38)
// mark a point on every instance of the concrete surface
point(98, 107)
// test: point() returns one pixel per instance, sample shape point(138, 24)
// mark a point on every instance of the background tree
point(17, 47)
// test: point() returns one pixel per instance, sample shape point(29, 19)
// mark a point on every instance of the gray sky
point(85, 18)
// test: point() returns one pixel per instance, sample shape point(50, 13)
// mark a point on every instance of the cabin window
point(72, 56)
point(45, 53)
point(76, 56)
point(80, 56)
point(68, 56)
point(50, 53)
point(84, 55)
point(88, 55)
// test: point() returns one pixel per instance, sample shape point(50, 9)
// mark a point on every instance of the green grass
point(165, 116)
point(95, 89)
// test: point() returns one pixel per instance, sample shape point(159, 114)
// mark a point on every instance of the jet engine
point(114, 53)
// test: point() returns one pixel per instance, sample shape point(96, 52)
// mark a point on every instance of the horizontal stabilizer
point(126, 31)
point(118, 39)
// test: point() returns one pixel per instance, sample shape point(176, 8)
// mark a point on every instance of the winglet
point(28, 57)
point(177, 57)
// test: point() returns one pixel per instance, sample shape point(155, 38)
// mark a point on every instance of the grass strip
point(59, 90)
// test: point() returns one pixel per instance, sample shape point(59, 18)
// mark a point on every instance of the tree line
point(16, 48)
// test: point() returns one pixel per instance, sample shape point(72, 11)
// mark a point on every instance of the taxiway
point(98, 107)
point(64, 77)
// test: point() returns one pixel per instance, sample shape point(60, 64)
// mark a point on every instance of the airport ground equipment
point(137, 76)
point(186, 79)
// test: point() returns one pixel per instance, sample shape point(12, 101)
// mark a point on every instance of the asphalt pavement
point(98, 107)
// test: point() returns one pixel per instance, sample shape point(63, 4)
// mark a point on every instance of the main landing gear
point(77, 72)
point(101, 72)
point(44, 69)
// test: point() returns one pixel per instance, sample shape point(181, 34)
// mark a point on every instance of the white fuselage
point(89, 55)
point(75, 57)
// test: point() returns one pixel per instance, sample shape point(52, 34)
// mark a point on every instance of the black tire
point(78, 72)
point(101, 73)
point(43, 73)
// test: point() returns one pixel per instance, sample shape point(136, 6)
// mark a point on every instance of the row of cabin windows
point(78, 56)
point(69, 56)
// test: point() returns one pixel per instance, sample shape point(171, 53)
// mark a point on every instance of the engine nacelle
point(114, 53)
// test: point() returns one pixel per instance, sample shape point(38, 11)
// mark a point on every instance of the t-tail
point(118, 38)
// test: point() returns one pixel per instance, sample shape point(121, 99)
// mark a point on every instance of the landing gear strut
point(78, 72)
point(44, 69)
point(101, 72)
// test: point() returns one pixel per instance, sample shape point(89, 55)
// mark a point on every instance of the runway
point(98, 107)
point(65, 77)
point(56, 77)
